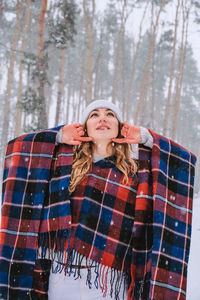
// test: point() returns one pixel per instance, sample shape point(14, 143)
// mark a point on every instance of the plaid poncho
point(140, 231)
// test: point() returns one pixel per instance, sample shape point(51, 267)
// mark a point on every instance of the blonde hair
point(83, 157)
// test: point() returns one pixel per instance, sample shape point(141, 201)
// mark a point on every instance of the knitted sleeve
point(147, 138)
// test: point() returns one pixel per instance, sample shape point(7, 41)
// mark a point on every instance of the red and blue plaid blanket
point(38, 211)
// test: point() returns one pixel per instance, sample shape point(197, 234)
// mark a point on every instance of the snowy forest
point(56, 56)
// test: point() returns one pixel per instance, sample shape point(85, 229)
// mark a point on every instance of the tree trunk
point(80, 97)
point(41, 66)
point(133, 69)
point(96, 68)
point(60, 84)
point(152, 117)
point(167, 107)
point(180, 73)
point(89, 25)
point(18, 118)
point(117, 52)
point(1, 8)
point(5, 126)
point(123, 79)
point(145, 80)
point(68, 109)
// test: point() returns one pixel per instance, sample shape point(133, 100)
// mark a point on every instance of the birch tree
point(42, 120)
point(97, 66)
point(171, 75)
point(145, 80)
point(81, 86)
point(152, 75)
point(1, 8)
point(18, 118)
point(62, 31)
point(181, 64)
point(89, 30)
point(134, 60)
point(123, 19)
point(6, 118)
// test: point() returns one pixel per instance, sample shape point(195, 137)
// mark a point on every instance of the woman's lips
point(102, 127)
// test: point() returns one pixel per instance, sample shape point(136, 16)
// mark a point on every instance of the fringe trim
point(70, 262)
point(139, 288)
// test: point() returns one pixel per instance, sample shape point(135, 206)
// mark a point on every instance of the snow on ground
point(193, 288)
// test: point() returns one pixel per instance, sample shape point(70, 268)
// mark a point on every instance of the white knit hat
point(100, 104)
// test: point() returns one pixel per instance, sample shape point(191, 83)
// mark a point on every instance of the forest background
point(56, 56)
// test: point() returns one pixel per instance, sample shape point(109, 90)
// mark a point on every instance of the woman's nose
point(102, 118)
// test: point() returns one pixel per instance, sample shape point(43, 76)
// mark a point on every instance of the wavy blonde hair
point(83, 158)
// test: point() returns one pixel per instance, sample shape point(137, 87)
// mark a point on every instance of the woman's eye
point(93, 115)
point(110, 114)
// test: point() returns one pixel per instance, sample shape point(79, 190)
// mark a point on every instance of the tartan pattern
point(158, 260)
point(103, 216)
point(103, 212)
point(173, 181)
point(26, 173)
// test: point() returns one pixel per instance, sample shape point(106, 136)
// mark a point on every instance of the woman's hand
point(131, 135)
point(73, 134)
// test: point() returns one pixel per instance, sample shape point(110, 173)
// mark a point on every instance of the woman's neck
point(101, 148)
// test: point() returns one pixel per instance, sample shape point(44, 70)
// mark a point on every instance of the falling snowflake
point(9, 163)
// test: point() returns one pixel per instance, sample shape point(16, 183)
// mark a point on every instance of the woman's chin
point(103, 139)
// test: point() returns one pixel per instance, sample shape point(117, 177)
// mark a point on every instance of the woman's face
point(102, 124)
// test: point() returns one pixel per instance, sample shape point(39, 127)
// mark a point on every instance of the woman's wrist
point(147, 139)
point(59, 137)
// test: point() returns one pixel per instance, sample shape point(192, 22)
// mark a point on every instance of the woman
point(95, 214)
